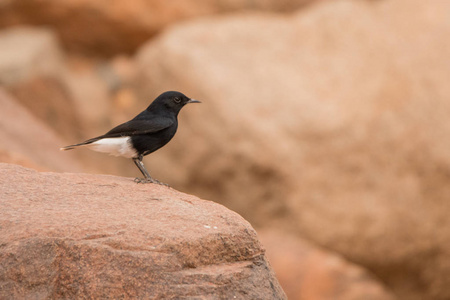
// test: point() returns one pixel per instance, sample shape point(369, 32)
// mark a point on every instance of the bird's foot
point(142, 180)
point(149, 180)
point(160, 183)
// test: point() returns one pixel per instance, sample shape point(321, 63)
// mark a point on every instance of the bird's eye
point(177, 100)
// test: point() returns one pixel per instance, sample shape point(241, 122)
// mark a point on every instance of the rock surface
point(105, 27)
point(340, 135)
point(307, 272)
point(68, 236)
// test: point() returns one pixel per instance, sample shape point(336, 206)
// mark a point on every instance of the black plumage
point(147, 132)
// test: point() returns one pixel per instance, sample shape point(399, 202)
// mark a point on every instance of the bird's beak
point(193, 101)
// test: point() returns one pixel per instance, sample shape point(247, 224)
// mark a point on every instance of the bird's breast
point(148, 143)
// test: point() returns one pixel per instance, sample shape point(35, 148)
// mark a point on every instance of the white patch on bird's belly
point(120, 146)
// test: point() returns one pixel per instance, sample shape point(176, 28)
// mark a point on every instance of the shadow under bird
point(144, 134)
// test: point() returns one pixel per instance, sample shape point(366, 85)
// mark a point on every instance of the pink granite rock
point(67, 236)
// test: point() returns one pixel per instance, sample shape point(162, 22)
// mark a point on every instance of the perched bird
point(144, 134)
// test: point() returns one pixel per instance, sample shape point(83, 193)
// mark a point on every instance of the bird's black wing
point(137, 127)
point(131, 128)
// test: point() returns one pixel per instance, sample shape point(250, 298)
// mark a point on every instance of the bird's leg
point(138, 162)
point(148, 179)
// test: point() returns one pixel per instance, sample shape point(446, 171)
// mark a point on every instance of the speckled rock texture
point(79, 236)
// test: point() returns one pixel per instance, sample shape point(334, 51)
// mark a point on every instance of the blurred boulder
point(80, 236)
point(90, 93)
point(332, 122)
point(28, 141)
point(308, 272)
point(27, 53)
point(111, 27)
point(48, 99)
point(72, 95)
point(32, 65)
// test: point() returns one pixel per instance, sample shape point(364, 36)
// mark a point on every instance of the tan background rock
point(334, 123)
point(26, 140)
point(110, 27)
point(307, 272)
point(27, 53)
point(72, 94)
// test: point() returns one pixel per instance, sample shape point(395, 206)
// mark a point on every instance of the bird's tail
point(90, 141)
point(70, 147)
point(67, 148)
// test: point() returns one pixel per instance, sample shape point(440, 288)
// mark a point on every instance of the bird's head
point(171, 101)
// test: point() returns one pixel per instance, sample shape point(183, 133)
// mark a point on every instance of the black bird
point(144, 134)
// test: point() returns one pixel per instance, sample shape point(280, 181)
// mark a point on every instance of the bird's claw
point(143, 180)
point(160, 183)
point(149, 180)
